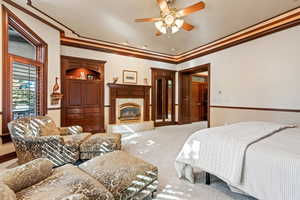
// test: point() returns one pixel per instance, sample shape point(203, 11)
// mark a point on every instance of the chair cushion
point(76, 139)
point(26, 175)
point(119, 171)
point(67, 182)
point(6, 193)
point(101, 142)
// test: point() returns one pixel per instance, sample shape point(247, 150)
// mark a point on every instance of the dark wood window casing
point(40, 62)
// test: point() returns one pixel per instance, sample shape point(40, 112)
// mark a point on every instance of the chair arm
point(45, 139)
point(26, 175)
point(71, 130)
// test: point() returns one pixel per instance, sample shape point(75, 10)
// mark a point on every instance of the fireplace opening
point(130, 112)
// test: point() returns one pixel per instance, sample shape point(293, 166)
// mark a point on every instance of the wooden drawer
point(74, 116)
point(74, 111)
point(91, 110)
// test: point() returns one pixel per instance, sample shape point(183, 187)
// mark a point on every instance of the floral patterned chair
point(38, 137)
point(114, 176)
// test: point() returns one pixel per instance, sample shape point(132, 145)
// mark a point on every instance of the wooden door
point(163, 97)
point(185, 107)
point(196, 102)
point(199, 102)
point(203, 106)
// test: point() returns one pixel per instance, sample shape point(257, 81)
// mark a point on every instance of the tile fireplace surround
point(135, 126)
point(138, 95)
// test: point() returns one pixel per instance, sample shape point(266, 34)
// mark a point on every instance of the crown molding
point(278, 23)
point(281, 22)
point(97, 46)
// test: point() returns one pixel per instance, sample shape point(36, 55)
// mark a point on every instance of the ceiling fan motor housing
point(170, 1)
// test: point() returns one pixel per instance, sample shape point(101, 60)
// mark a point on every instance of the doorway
point(194, 95)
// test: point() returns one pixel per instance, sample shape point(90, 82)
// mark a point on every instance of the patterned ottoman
point(99, 144)
point(124, 175)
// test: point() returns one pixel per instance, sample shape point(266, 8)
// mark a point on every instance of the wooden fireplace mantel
point(128, 91)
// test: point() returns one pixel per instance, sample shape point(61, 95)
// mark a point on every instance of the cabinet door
point(91, 102)
point(91, 93)
point(74, 93)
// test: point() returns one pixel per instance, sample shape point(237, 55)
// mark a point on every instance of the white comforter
point(221, 150)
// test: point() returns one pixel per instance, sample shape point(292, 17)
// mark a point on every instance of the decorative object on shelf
point(56, 95)
point(91, 77)
point(82, 76)
point(145, 81)
point(115, 80)
point(129, 77)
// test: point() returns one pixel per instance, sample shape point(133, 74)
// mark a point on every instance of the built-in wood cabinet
point(83, 90)
point(163, 97)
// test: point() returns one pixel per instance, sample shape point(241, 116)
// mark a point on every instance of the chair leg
point(207, 178)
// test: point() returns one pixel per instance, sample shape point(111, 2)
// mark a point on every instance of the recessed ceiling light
point(173, 49)
point(145, 47)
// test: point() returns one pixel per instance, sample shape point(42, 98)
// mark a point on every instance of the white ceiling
point(113, 20)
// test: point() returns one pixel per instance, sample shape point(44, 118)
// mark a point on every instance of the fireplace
point(129, 112)
point(129, 109)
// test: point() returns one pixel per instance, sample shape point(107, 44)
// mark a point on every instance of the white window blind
point(25, 100)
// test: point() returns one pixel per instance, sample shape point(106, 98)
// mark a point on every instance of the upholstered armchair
point(37, 180)
point(39, 137)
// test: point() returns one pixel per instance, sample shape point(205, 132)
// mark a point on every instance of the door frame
point(181, 87)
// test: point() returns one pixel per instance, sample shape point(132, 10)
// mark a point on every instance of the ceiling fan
point(171, 19)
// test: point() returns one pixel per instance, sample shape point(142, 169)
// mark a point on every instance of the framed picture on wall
point(129, 77)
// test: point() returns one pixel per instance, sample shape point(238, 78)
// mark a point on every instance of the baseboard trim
point(7, 157)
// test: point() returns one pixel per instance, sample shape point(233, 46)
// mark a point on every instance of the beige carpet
point(160, 147)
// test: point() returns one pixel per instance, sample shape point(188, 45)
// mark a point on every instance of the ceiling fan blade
point(163, 5)
point(148, 20)
point(191, 9)
point(187, 27)
point(158, 33)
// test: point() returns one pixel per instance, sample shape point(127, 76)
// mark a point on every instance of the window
point(20, 46)
point(24, 72)
point(24, 90)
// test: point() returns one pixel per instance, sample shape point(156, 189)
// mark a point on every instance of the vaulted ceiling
point(113, 20)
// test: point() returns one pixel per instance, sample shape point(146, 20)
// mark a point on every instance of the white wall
point(260, 73)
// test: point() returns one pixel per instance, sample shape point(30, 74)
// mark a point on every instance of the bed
point(260, 159)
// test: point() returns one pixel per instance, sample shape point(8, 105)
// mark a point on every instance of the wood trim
point(170, 70)
point(9, 18)
point(5, 138)
point(33, 15)
point(29, 3)
point(7, 157)
point(86, 59)
point(280, 22)
point(54, 109)
point(286, 20)
point(96, 46)
point(128, 91)
point(197, 69)
point(257, 108)
point(165, 76)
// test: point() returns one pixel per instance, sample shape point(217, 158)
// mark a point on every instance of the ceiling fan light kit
point(171, 20)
